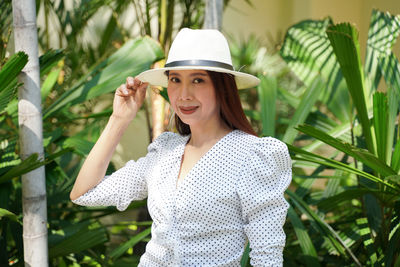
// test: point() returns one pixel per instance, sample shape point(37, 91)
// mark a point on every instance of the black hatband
point(198, 62)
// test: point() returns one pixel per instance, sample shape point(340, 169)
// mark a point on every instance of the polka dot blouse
point(234, 193)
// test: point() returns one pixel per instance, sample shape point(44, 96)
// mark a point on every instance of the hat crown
point(208, 45)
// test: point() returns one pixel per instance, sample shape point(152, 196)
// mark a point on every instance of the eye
point(198, 80)
point(174, 79)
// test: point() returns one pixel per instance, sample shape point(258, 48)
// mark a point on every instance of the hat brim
point(157, 77)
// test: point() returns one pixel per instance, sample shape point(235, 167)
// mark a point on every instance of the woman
point(209, 188)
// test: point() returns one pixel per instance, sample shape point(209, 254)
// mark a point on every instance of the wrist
point(118, 123)
point(121, 119)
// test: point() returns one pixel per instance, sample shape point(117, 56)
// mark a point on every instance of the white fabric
point(234, 192)
point(199, 41)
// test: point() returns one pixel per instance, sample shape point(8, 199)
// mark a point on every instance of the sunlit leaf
point(119, 251)
point(304, 239)
point(344, 40)
point(267, 92)
point(8, 77)
point(308, 100)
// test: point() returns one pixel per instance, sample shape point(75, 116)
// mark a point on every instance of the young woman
point(210, 188)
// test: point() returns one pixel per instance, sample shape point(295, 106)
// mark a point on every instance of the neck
point(204, 134)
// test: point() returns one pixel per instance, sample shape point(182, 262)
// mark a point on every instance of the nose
point(185, 92)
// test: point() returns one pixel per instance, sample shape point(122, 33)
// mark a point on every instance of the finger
point(141, 92)
point(137, 83)
point(123, 91)
point(130, 82)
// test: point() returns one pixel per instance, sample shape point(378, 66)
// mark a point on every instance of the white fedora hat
point(202, 50)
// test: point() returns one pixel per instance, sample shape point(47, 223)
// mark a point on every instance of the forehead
point(188, 72)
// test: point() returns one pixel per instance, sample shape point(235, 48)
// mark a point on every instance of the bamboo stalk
point(31, 136)
point(213, 14)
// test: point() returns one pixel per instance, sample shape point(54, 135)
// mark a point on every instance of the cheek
point(172, 97)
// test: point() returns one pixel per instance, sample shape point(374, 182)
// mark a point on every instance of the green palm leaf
point(322, 227)
point(76, 238)
point(380, 122)
point(364, 156)
point(8, 77)
point(10, 215)
point(320, 160)
point(267, 91)
point(306, 245)
point(119, 251)
point(344, 40)
point(131, 59)
point(309, 54)
point(383, 32)
point(308, 100)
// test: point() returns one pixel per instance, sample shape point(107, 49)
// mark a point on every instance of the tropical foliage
point(354, 220)
point(339, 118)
point(67, 98)
point(343, 134)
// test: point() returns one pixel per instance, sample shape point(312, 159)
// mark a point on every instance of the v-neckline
point(182, 152)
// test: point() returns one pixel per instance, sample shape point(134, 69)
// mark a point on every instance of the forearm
point(95, 166)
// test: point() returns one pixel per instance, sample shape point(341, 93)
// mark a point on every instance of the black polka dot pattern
point(234, 193)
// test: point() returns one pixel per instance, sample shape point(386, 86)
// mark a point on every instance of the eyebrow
point(192, 74)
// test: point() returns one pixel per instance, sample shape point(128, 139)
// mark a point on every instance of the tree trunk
point(31, 136)
point(213, 14)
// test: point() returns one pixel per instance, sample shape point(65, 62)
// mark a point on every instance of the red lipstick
point(188, 110)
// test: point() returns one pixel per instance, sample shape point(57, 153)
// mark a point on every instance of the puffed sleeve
point(126, 184)
point(264, 177)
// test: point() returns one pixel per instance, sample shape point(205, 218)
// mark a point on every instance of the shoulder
point(167, 140)
point(252, 143)
point(267, 150)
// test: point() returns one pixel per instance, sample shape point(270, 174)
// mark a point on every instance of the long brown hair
point(231, 108)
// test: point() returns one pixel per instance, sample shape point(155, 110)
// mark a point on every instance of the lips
point(188, 109)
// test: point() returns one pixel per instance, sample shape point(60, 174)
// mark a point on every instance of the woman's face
point(192, 97)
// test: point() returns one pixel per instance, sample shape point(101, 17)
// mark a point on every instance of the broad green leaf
point(308, 52)
point(8, 77)
point(315, 158)
point(49, 83)
point(330, 203)
point(383, 32)
point(131, 59)
point(267, 91)
point(304, 239)
point(336, 132)
point(76, 238)
point(344, 40)
point(119, 251)
point(380, 121)
point(29, 164)
point(362, 155)
point(50, 59)
point(10, 215)
point(308, 100)
point(80, 145)
point(322, 227)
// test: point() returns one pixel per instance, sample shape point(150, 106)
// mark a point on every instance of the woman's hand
point(129, 98)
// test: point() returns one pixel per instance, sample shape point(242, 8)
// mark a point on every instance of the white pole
point(213, 14)
point(31, 136)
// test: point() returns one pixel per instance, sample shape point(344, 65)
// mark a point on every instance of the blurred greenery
point(341, 126)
